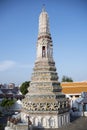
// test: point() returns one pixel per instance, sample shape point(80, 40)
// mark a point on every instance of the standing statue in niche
point(43, 51)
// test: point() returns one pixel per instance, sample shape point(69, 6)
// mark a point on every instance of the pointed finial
point(43, 9)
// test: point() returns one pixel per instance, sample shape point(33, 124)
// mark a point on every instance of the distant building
point(1, 85)
point(77, 94)
point(5, 86)
point(74, 89)
point(80, 105)
point(17, 106)
point(11, 85)
point(11, 93)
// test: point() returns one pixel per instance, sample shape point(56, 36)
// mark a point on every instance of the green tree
point(1, 126)
point(66, 79)
point(7, 103)
point(24, 87)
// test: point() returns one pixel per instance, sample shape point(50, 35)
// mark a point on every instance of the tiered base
point(47, 120)
point(43, 121)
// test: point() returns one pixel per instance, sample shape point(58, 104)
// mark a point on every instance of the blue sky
point(19, 31)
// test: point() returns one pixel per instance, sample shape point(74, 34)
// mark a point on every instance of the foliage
point(66, 79)
point(24, 87)
point(7, 103)
point(0, 113)
point(1, 126)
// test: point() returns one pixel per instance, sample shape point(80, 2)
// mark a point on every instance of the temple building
point(76, 92)
point(74, 89)
point(45, 104)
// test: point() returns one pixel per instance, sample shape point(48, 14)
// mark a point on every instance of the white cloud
point(7, 64)
point(26, 66)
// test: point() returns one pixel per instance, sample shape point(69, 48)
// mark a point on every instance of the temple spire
point(46, 106)
point(44, 43)
point(43, 22)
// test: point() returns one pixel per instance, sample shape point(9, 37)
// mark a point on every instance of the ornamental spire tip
point(43, 8)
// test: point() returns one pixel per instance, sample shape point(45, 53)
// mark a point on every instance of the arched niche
point(52, 122)
point(44, 122)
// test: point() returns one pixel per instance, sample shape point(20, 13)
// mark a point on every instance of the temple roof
point(74, 87)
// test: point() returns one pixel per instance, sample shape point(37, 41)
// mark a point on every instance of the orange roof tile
point(74, 87)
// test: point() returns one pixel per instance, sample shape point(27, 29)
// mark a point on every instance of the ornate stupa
point(45, 104)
